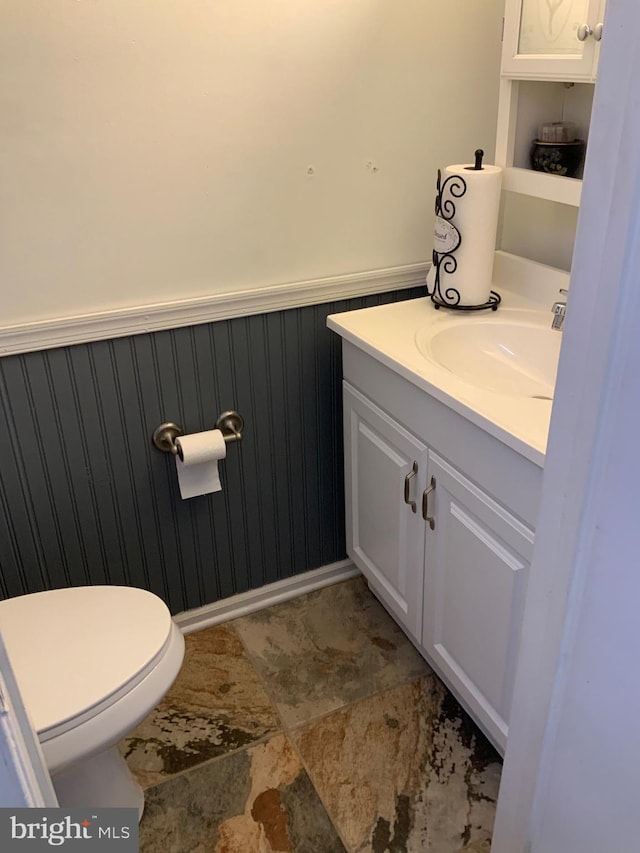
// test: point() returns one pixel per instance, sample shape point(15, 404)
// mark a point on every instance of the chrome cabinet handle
point(425, 503)
point(583, 32)
point(407, 487)
point(597, 32)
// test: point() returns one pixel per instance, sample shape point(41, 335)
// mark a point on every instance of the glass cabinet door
point(551, 26)
point(551, 39)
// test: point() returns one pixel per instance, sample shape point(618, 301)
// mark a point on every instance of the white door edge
point(601, 323)
point(24, 778)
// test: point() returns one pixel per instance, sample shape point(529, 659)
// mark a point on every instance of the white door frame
point(24, 778)
point(602, 326)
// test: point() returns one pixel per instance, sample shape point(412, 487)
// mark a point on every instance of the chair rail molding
point(140, 319)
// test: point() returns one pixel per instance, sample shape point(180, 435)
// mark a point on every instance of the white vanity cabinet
point(440, 521)
point(384, 472)
point(476, 571)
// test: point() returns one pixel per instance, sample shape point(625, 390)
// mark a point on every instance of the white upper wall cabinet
point(552, 39)
point(523, 106)
point(549, 64)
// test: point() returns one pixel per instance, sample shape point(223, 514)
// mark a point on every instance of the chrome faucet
point(559, 310)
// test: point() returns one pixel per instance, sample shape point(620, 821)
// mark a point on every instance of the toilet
point(91, 663)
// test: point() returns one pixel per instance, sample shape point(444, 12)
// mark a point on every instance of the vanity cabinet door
point(477, 561)
point(385, 472)
point(552, 39)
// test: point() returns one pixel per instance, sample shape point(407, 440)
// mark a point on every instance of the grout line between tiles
point(307, 770)
point(215, 759)
point(263, 682)
point(283, 729)
point(289, 730)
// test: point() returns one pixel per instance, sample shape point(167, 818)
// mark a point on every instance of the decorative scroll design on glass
point(446, 240)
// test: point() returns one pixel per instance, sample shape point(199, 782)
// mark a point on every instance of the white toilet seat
point(118, 718)
point(91, 662)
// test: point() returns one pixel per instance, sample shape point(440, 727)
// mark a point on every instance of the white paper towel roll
point(198, 469)
point(476, 218)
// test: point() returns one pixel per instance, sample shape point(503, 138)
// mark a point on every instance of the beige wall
point(160, 149)
point(541, 230)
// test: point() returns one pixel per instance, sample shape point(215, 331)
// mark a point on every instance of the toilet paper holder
point(164, 437)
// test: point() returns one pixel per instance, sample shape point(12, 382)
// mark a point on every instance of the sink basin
point(510, 355)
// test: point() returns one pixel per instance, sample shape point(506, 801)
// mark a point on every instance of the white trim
point(139, 319)
point(600, 327)
point(551, 187)
point(265, 596)
point(24, 778)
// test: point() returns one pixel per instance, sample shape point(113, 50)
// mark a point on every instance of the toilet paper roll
point(476, 219)
point(198, 468)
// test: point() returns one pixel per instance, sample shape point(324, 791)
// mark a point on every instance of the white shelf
point(541, 185)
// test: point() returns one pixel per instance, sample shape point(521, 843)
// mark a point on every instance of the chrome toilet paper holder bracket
point(230, 424)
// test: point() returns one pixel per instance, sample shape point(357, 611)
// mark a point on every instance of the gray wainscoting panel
point(86, 499)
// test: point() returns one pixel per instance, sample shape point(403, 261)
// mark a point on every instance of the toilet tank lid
point(73, 648)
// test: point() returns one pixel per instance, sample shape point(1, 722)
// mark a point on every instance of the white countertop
point(388, 333)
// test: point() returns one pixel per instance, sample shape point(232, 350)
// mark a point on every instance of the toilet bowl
point(91, 663)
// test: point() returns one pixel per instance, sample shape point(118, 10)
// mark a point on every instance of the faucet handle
point(559, 307)
point(559, 310)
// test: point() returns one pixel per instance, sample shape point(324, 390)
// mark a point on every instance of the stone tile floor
point(313, 726)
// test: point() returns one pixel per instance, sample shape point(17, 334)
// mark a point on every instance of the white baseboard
point(265, 596)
